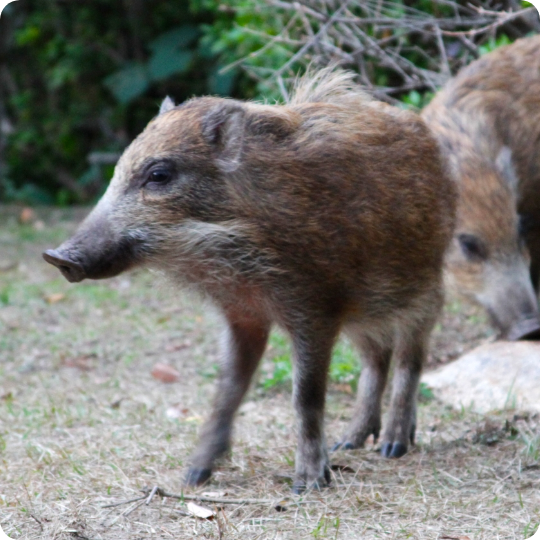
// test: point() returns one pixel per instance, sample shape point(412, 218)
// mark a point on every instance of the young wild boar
point(487, 120)
point(332, 212)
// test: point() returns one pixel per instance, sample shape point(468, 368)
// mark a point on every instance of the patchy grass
point(83, 424)
point(277, 371)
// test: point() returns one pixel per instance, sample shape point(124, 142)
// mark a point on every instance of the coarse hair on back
point(328, 85)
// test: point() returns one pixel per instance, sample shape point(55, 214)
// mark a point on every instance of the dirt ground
point(83, 425)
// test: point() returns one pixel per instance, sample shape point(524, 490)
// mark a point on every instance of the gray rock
point(500, 375)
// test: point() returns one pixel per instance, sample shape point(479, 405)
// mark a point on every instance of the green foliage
point(344, 368)
point(82, 78)
point(493, 43)
point(171, 55)
point(416, 100)
point(531, 528)
point(279, 371)
point(425, 393)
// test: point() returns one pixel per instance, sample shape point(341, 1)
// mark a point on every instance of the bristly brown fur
point(330, 213)
point(328, 86)
point(487, 121)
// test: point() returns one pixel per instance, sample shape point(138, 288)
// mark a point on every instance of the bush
point(79, 80)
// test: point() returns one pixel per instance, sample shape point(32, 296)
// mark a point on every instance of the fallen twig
point(124, 502)
point(151, 496)
point(216, 500)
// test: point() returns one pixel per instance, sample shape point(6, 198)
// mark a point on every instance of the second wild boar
point(329, 213)
point(487, 120)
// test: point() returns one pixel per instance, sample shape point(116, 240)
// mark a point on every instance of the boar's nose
point(71, 270)
point(526, 329)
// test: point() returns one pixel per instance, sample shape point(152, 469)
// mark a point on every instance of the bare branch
point(313, 40)
point(382, 39)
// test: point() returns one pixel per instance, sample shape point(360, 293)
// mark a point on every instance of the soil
point(83, 424)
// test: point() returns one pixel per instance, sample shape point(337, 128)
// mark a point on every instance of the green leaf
point(221, 84)
point(177, 38)
point(28, 35)
point(128, 83)
point(167, 62)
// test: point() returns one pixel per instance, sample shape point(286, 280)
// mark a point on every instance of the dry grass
point(83, 425)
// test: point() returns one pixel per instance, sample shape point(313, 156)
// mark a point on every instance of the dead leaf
point(165, 373)
point(54, 298)
point(26, 216)
point(80, 362)
point(177, 346)
point(202, 512)
point(342, 387)
point(196, 419)
point(116, 404)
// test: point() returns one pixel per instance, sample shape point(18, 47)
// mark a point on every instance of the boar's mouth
point(527, 329)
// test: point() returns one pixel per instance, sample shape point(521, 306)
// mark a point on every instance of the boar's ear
point(167, 105)
point(223, 128)
point(506, 167)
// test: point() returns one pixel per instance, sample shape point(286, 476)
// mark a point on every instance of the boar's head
point(172, 174)
point(488, 261)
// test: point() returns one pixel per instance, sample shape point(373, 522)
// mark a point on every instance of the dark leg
point(313, 351)
point(246, 341)
point(533, 243)
point(410, 353)
point(366, 419)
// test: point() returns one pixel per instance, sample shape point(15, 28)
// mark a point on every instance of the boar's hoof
point(71, 270)
point(300, 485)
point(527, 329)
point(393, 450)
point(197, 477)
point(343, 446)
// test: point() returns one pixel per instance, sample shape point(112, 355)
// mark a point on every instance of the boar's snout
point(71, 270)
point(96, 250)
point(527, 329)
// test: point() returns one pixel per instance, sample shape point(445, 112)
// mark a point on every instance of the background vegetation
point(78, 80)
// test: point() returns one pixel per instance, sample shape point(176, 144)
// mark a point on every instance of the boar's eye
point(157, 178)
point(474, 249)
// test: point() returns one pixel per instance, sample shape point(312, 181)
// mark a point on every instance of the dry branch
point(149, 494)
point(373, 35)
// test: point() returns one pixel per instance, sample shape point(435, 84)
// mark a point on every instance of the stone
point(494, 376)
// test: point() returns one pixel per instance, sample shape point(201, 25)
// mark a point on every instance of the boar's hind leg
point(366, 418)
point(246, 341)
point(409, 353)
point(313, 351)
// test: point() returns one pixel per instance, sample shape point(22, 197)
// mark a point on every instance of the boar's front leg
point(245, 343)
point(313, 352)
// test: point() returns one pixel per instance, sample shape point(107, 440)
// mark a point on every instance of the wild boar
point(487, 120)
point(331, 212)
